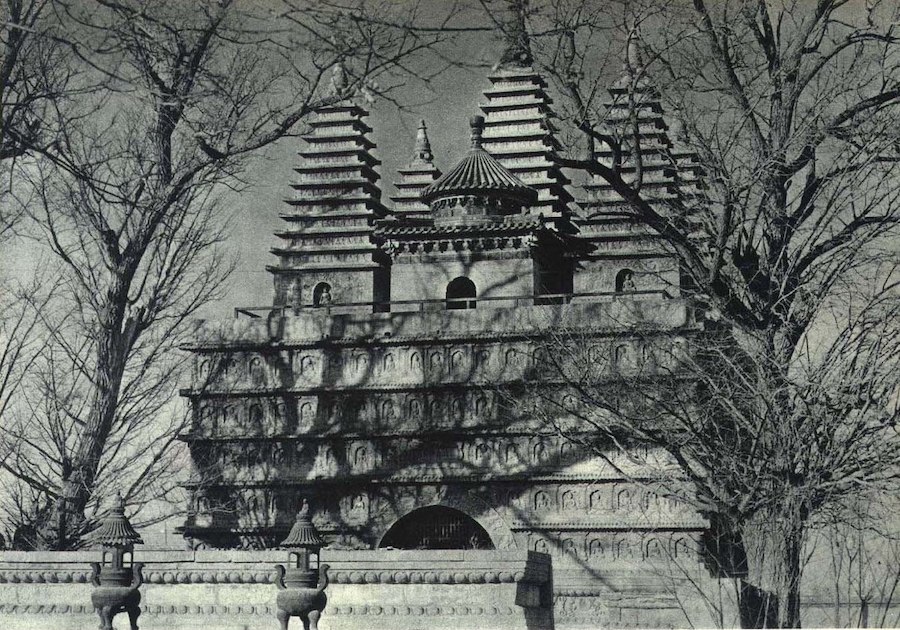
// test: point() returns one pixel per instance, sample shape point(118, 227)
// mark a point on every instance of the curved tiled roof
point(303, 534)
point(479, 173)
point(115, 530)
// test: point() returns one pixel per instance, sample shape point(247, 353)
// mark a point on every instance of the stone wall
point(231, 590)
point(392, 590)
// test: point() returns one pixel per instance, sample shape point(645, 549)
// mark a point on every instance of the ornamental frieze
point(288, 458)
point(593, 547)
point(398, 366)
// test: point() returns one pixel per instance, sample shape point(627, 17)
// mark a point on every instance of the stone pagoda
point(415, 177)
point(628, 254)
point(519, 132)
point(377, 386)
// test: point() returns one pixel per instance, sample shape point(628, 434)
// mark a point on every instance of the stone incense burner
point(117, 580)
point(301, 585)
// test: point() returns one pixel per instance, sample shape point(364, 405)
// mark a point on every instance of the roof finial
point(517, 51)
point(423, 146)
point(477, 123)
point(634, 59)
point(338, 79)
point(118, 503)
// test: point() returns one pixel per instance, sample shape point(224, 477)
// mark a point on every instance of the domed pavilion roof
point(479, 174)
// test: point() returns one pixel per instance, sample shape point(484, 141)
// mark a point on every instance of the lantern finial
point(303, 534)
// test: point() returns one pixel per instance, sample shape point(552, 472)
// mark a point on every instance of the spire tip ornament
point(477, 124)
point(517, 51)
point(423, 145)
point(338, 79)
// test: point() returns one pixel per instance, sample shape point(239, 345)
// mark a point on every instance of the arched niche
point(625, 281)
point(322, 294)
point(436, 527)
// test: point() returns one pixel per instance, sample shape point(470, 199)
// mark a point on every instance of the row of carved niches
point(457, 363)
point(588, 609)
point(438, 455)
point(594, 547)
point(521, 506)
point(357, 411)
point(518, 407)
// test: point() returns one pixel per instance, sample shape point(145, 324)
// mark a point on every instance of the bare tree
point(128, 205)
point(790, 110)
point(728, 443)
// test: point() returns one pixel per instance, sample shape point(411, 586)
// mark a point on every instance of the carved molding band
point(266, 577)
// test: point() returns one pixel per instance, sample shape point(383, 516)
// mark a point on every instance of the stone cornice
point(532, 475)
point(433, 338)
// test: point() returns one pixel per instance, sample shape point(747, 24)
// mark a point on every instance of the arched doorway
point(437, 527)
point(459, 289)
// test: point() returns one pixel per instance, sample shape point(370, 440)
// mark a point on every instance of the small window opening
point(461, 293)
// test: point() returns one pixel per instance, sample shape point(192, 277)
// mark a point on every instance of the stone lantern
point(302, 584)
point(117, 579)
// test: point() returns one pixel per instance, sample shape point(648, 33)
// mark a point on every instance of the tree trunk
point(112, 352)
point(791, 570)
point(770, 595)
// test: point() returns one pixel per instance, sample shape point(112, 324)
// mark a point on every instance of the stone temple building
point(373, 386)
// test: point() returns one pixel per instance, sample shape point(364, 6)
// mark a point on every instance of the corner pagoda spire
point(327, 247)
point(666, 174)
point(415, 177)
point(423, 146)
point(518, 129)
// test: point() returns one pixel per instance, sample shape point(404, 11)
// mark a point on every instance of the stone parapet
point(313, 326)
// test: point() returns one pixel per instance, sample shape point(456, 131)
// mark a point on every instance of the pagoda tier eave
point(361, 152)
point(287, 252)
point(357, 124)
point(360, 182)
point(505, 87)
point(361, 141)
point(542, 106)
point(330, 267)
point(333, 201)
point(325, 231)
point(505, 74)
point(310, 217)
point(324, 167)
point(536, 136)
